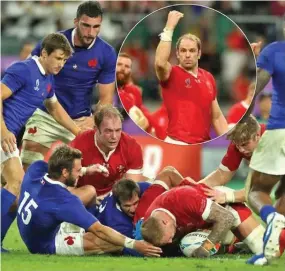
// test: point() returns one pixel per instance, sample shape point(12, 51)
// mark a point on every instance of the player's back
point(186, 203)
point(39, 202)
point(272, 59)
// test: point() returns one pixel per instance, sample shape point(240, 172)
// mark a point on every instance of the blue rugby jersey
point(82, 71)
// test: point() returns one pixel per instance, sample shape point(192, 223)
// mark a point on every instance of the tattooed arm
point(223, 221)
point(263, 78)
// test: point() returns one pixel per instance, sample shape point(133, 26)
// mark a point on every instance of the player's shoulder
point(205, 73)
point(85, 136)
point(274, 47)
point(66, 32)
point(104, 45)
point(127, 140)
point(21, 66)
point(36, 171)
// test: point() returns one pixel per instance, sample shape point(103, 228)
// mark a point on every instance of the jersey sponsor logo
point(102, 208)
point(37, 87)
point(188, 83)
point(32, 130)
point(69, 240)
point(92, 63)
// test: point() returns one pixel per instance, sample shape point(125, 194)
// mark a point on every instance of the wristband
point(83, 171)
point(129, 243)
point(210, 247)
point(230, 196)
point(166, 35)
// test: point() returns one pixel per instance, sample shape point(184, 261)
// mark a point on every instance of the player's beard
point(81, 38)
point(70, 181)
point(122, 78)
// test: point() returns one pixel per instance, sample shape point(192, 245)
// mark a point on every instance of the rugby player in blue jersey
point(45, 203)
point(268, 159)
point(27, 85)
point(92, 63)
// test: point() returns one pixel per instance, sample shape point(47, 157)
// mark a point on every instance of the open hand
point(8, 142)
point(147, 249)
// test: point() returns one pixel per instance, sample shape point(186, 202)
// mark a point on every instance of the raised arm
point(162, 66)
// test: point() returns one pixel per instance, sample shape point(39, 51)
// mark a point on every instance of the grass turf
point(19, 259)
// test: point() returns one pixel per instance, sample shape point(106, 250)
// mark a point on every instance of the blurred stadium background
point(26, 22)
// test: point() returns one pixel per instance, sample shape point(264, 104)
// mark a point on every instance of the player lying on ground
point(27, 85)
point(190, 209)
point(45, 203)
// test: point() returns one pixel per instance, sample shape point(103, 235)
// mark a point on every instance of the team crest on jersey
point(92, 63)
point(37, 87)
point(120, 168)
point(48, 88)
point(32, 130)
point(187, 83)
point(69, 240)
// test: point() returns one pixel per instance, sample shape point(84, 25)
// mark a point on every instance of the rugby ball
point(193, 240)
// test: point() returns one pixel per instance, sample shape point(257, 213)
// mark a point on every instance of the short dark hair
point(56, 41)
point(125, 189)
point(90, 8)
point(107, 110)
point(62, 158)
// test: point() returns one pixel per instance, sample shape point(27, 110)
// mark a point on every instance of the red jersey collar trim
point(106, 157)
point(72, 39)
point(164, 210)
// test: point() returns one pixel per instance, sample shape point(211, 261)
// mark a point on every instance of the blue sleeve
point(37, 50)
point(16, 76)
point(143, 186)
point(107, 74)
point(73, 211)
point(266, 58)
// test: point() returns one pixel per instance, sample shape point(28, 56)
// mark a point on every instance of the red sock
point(282, 241)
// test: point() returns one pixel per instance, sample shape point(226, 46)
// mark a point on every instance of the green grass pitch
point(19, 259)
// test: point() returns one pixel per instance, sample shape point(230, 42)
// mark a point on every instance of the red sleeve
point(232, 159)
point(135, 159)
point(235, 114)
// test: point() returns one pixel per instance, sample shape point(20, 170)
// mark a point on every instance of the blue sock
point(6, 222)
point(265, 211)
point(7, 200)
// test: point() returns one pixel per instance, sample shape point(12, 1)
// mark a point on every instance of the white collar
point(166, 211)
point(49, 180)
point(72, 39)
point(244, 104)
point(106, 158)
point(41, 68)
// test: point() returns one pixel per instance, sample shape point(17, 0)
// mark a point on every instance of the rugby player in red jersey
point(189, 92)
point(116, 152)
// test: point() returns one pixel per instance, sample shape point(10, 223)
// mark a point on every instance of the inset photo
point(181, 69)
